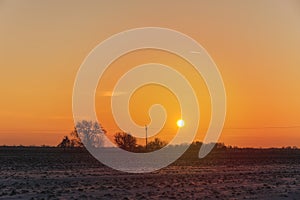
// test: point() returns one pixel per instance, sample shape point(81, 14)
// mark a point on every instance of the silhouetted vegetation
point(156, 144)
point(88, 133)
point(71, 143)
point(65, 143)
point(125, 141)
point(76, 140)
point(91, 133)
point(129, 143)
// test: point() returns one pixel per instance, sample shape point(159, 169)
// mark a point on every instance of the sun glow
point(180, 123)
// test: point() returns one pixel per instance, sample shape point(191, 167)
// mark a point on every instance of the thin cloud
point(110, 93)
point(195, 52)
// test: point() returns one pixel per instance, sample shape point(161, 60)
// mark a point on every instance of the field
point(52, 173)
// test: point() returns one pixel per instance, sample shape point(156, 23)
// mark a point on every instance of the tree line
point(91, 134)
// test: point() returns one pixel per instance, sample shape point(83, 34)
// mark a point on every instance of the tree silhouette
point(90, 133)
point(65, 143)
point(125, 141)
point(156, 144)
point(76, 139)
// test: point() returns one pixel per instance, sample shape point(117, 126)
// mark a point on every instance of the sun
point(180, 123)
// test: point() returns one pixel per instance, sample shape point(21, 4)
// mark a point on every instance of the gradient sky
point(255, 44)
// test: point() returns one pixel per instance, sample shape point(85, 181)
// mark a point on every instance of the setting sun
point(180, 123)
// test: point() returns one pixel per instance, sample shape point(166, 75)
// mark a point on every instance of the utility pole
point(146, 129)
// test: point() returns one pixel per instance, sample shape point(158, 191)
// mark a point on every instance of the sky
point(255, 45)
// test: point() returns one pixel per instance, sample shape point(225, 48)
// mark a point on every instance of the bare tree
point(90, 133)
point(76, 140)
point(125, 141)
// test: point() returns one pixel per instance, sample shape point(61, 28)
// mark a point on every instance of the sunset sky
point(255, 45)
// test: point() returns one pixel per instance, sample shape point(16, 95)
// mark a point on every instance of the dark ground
point(52, 173)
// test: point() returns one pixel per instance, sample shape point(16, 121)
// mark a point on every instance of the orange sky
point(255, 45)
